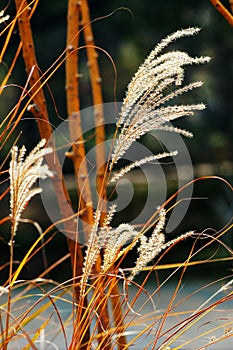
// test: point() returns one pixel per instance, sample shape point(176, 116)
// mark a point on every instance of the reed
point(101, 296)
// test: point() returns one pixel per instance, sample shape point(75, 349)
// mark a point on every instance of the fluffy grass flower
point(96, 242)
point(150, 247)
point(3, 17)
point(24, 172)
point(111, 240)
point(117, 238)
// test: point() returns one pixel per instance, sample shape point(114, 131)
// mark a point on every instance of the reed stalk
point(40, 114)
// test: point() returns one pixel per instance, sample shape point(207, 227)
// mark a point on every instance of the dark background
point(128, 35)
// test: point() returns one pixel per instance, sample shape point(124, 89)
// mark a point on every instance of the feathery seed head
point(150, 247)
point(117, 238)
point(3, 17)
point(24, 172)
point(144, 106)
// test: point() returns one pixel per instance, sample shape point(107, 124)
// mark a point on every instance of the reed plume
point(24, 172)
point(144, 108)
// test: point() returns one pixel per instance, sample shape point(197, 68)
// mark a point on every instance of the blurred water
point(199, 331)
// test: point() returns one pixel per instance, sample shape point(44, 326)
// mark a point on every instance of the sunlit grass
point(105, 305)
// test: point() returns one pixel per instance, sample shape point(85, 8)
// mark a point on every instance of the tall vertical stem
point(101, 183)
point(96, 86)
point(41, 115)
point(78, 149)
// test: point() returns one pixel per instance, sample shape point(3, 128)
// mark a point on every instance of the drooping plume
point(24, 172)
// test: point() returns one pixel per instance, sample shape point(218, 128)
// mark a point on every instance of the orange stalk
point(96, 86)
point(231, 5)
point(117, 313)
point(223, 11)
point(6, 78)
point(78, 148)
point(73, 107)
